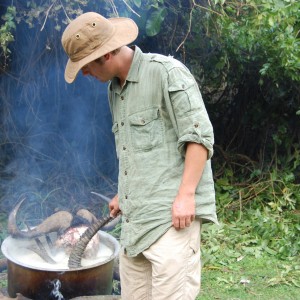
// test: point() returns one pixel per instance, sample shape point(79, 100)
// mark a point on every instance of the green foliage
point(251, 278)
point(259, 216)
point(6, 34)
point(259, 213)
point(245, 56)
point(37, 13)
point(155, 20)
point(257, 234)
point(264, 32)
point(289, 275)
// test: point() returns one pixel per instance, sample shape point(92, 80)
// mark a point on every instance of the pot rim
point(109, 240)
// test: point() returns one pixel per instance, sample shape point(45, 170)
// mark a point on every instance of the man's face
point(100, 69)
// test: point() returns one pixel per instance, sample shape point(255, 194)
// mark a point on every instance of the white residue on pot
point(23, 253)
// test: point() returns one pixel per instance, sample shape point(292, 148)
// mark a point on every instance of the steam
point(55, 293)
point(56, 138)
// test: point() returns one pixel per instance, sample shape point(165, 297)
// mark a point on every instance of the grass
point(254, 253)
point(267, 278)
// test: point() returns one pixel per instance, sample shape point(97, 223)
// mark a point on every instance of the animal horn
point(78, 249)
point(87, 215)
point(59, 221)
point(91, 218)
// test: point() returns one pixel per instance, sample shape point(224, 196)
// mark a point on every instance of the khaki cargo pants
point(168, 270)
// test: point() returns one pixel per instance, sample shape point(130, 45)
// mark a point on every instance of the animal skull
point(59, 222)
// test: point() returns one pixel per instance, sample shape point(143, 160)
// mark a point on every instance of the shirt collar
point(133, 74)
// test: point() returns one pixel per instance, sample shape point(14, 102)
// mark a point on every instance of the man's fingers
point(114, 212)
point(188, 222)
point(180, 223)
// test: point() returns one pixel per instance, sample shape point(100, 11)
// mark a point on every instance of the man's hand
point(114, 206)
point(184, 207)
point(183, 211)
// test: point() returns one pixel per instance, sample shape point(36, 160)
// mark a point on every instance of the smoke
point(55, 293)
point(56, 140)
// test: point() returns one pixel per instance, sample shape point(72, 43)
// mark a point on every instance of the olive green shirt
point(157, 111)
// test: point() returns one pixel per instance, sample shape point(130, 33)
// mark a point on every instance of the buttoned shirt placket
point(124, 140)
point(156, 112)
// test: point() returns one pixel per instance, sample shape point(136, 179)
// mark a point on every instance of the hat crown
point(91, 36)
point(87, 33)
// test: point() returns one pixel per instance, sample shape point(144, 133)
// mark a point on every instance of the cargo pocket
point(146, 129)
point(115, 130)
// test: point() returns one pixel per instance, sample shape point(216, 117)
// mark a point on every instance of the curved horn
point(59, 221)
point(87, 215)
point(78, 249)
point(12, 224)
point(91, 218)
point(112, 224)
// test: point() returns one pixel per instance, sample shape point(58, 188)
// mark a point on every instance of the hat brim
point(126, 31)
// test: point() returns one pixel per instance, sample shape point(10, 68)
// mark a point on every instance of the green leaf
point(270, 251)
point(137, 3)
point(153, 24)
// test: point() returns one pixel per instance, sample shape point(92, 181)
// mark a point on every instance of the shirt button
point(125, 172)
point(124, 148)
point(196, 125)
point(126, 197)
point(122, 97)
point(127, 221)
point(122, 123)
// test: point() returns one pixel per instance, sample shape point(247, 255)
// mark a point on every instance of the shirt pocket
point(146, 129)
point(115, 130)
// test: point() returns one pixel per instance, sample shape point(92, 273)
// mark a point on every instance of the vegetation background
point(56, 142)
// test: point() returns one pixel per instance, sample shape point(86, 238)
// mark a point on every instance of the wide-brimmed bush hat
point(90, 36)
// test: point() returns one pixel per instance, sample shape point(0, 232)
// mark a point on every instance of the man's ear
point(107, 56)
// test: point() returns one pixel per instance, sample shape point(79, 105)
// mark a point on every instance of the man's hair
point(114, 52)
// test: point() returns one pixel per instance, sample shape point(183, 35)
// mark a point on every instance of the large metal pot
point(41, 282)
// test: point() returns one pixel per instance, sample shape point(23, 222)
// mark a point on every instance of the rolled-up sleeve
point(188, 111)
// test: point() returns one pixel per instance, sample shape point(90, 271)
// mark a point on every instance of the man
point(164, 142)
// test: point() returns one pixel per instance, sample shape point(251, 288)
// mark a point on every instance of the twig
point(47, 13)
point(114, 7)
point(240, 201)
point(205, 8)
point(173, 33)
point(131, 8)
point(189, 29)
point(65, 11)
point(194, 4)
